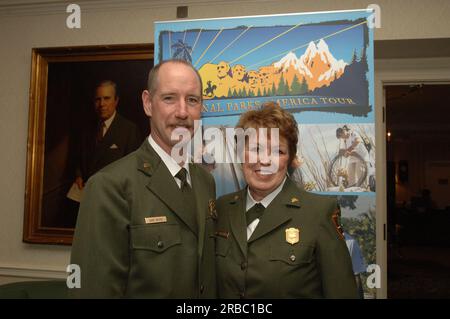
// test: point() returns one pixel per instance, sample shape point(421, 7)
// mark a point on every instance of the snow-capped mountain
point(317, 65)
point(287, 61)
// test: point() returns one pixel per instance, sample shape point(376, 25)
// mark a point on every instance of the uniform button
point(160, 244)
point(202, 288)
point(292, 258)
point(243, 265)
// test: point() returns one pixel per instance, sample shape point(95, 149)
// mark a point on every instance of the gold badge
point(155, 220)
point(292, 235)
point(212, 208)
point(294, 200)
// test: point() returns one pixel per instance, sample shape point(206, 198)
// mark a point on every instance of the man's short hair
point(106, 83)
point(153, 74)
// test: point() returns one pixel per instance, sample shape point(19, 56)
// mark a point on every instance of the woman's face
point(265, 166)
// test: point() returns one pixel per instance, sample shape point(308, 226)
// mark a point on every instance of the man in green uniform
point(144, 228)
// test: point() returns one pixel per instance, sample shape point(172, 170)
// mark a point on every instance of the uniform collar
point(266, 200)
point(170, 163)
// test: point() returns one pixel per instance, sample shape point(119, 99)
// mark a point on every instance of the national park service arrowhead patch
point(336, 219)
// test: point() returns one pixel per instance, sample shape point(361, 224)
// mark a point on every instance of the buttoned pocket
point(296, 254)
point(157, 238)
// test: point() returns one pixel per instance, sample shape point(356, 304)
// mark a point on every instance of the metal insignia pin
point(146, 165)
point(292, 235)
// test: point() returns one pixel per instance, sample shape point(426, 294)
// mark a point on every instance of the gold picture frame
point(57, 79)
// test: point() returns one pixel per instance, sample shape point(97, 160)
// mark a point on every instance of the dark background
point(70, 110)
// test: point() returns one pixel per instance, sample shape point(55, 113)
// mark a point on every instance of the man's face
point(238, 72)
point(271, 166)
point(253, 79)
point(105, 101)
point(222, 69)
point(267, 76)
point(174, 105)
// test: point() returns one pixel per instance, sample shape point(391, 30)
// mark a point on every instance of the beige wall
point(44, 26)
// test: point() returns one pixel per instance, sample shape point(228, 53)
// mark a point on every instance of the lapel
point(161, 182)
point(237, 219)
point(280, 210)
point(199, 190)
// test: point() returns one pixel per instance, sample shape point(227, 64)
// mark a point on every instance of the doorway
point(418, 190)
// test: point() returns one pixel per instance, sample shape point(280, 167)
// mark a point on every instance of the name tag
point(155, 220)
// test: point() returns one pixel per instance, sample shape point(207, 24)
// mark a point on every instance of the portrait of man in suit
point(112, 137)
point(90, 115)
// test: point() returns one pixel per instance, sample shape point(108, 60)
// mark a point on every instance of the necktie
point(254, 213)
point(101, 127)
point(188, 198)
point(182, 176)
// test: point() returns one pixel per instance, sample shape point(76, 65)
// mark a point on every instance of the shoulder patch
point(336, 219)
point(212, 209)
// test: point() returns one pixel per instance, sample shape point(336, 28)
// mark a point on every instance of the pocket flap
point(157, 238)
point(292, 254)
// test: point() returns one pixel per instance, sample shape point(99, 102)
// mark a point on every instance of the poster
point(319, 66)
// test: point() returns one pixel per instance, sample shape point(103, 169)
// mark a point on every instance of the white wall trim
point(34, 273)
point(396, 71)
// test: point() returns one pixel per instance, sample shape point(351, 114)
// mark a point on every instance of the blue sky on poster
point(299, 37)
point(256, 21)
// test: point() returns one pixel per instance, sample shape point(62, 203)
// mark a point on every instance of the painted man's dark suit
point(135, 237)
point(121, 138)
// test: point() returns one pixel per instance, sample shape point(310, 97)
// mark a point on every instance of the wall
point(23, 27)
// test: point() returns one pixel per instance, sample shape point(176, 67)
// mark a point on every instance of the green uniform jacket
point(121, 254)
point(267, 266)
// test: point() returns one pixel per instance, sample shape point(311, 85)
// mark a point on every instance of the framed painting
point(72, 90)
